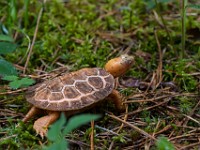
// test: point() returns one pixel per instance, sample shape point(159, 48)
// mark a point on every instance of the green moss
point(18, 137)
point(87, 33)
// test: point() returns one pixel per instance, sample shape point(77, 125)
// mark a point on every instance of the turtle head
point(118, 66)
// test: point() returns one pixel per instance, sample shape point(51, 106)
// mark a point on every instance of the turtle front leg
point(118, 100)
point(32, 112)
point(41, 125)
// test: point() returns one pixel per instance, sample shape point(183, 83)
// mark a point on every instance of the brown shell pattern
point(72, 91)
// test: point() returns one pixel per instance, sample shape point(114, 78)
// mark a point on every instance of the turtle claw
point(41, 131)
point(40, 128)
point(41, 125)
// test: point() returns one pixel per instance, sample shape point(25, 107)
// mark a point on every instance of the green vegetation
point(6, 46)
point(56, 133)
point(164, 144)
point(41, 39)
point(16, 83)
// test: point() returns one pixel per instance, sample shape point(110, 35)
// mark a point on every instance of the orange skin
point(116, 66)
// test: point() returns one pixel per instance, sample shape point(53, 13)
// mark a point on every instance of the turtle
point(75, 92)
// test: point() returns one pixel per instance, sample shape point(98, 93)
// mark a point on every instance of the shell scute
point(76, 104)
point(89, 72)
point(70, 92)
point(42, 94)
point(102, 72)
point(79, 76)
point(63, 105)
point(96, 82)
point(67, 79)
point(56, 96)
point(87, 99)
point(83, 87)
point(42, 104)
point(55, 85)
point(100, 94)
point(53, 106)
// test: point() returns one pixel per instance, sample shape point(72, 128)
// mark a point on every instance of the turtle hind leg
point(118, 100)
point(32, 112)
point(41, 125)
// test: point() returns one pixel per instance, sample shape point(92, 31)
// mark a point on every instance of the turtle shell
point(72, 91)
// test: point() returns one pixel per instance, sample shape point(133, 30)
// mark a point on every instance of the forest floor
point(43, 39)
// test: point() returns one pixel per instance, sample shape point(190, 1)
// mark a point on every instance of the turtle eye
point(124, 57)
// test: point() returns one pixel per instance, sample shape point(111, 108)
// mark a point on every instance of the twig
point(152, 99)
point(12, 92)
point(191, 145)
point(28, 49)
point(8, 137)
point(183, 27)
point(132, 126)
point(122, 125)
point(190, 118)
point(77, 142)
point(191, 113)
point(156, 128)
point(34, 38)
point(110, 131)
point(163, 21)
point(185, 135)
point(148, 108)
point(92, 136)
point(160, 65)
